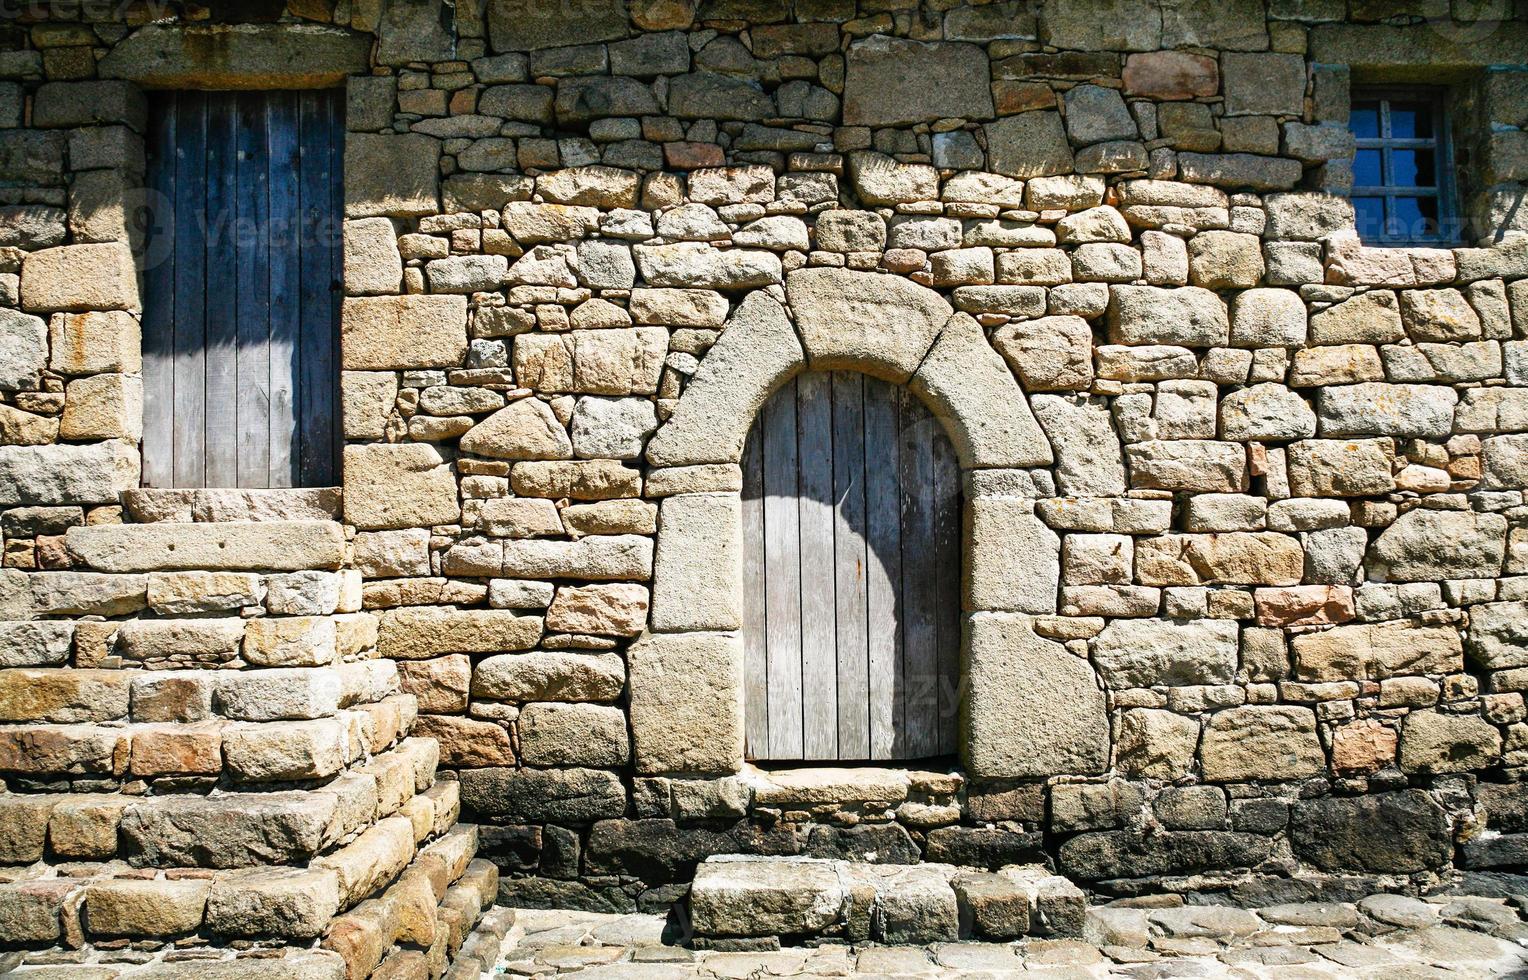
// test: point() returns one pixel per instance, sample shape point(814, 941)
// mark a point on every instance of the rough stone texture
point(1143, 653)
point(696, 726)
point(891, 82)
point(224, 56)
point(398, 486)
point(77, 278)
point(572, 796)
point(1249, 743)
point(268, 545)
point(1407, 550)
point(757, 351)
point(87, 473)
point(394, 175)
point(1400, 832)
point(697, 565)
point(975, 396)
point(1189, 316)
point(880, 324)
point(1088, 458)
point(1033, 709)
point(386, 333)
point(1016, 569)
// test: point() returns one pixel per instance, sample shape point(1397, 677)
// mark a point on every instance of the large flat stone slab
point(238, 56)
point(282, 546)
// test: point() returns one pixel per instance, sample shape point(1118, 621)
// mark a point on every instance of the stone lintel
point(238, 56)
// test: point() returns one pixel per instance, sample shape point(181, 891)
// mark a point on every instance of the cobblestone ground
point(1384, 936)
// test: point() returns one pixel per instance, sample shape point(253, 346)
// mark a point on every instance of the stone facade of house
point(1246, 544)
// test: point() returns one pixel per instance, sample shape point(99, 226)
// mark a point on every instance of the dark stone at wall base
point(660, 851)
point(546, 893)
point(1506, 851)
point(736, 944)
point(980, 847)
point(1125, 854)
point(559, 852)
point(511, 848)
point(1506, 806)
point(877, 843)
point(1492, 884)
point(1397, 832)
point(1264, 890)
point(564, 796)
point(663, 898)
point(1259, 816)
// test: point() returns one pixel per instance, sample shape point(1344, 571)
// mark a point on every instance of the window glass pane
point(1364, 120)
point(1411, 168)
point(1369, 217)
point(1414, 218)
point(1366, 168)
point(1410, 120)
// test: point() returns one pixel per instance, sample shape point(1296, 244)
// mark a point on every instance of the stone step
point(746, 897)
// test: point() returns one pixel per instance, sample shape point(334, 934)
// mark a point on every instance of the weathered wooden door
point(851, 527)
point(241, 289)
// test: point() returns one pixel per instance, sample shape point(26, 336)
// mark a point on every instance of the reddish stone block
point(1171, 75)
point(688, 155)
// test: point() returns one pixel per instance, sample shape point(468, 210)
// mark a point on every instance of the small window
point(1403, 179)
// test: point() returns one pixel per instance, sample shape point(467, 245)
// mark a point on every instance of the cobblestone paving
point(1383, 936)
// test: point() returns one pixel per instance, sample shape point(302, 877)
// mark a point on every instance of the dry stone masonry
point(1245, 608)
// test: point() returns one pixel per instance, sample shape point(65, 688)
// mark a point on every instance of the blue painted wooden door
point(241, 289)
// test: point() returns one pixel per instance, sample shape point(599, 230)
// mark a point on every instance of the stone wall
point(1246, 542)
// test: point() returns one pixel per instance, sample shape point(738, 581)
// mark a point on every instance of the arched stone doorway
point(1029, 707)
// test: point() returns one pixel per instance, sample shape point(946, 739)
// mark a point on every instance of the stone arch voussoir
point(885, 326)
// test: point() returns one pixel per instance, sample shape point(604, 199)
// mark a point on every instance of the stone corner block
point(686, 692)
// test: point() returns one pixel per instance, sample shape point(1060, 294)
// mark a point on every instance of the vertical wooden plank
point(819, 658)
point(920, 633)
point(755, 601)
point(159, 299)
point(222, 302)
point(883, 571)
point(190, 292)
point(285, 282)
point(316, 368)
point(849, 563)
point(252, 269)
point(946, 553)
point(783, 572)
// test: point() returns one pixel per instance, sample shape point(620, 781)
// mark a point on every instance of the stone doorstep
point(744, 896)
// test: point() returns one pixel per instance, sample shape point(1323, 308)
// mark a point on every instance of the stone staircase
point(208, 767)
point(750, 902)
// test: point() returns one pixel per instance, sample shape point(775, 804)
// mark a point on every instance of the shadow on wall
point(851, 552)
